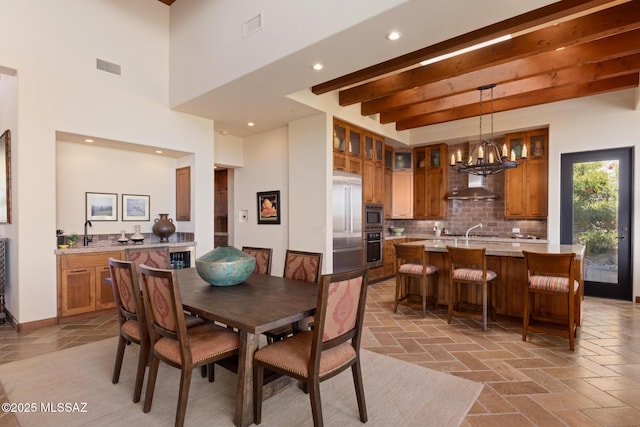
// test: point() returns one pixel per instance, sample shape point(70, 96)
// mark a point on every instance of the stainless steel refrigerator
point(347, 221)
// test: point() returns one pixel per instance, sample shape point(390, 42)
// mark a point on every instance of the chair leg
point(316, 404)
point(484, 306)
point(425, 289)
point(183, 395)
point(142, 365)
point(203, 371)
point(151, 384)
point(258, 378)
point(452, 292)
point(357, 381)
point(119, 356)
point(525, 315)
point(571, 315)
point(398, 285)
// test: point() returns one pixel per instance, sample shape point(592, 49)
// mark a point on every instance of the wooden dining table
point(257, 305)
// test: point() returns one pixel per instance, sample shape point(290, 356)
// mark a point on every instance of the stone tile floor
point(534, 383)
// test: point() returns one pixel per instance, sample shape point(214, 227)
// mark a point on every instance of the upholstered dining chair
point(468, 266)
point(411, 262)
point(298, 265)
point(263, 259)
point(133, 322)
point(157, 257)
point(551, 274)
point(172, 342)
point(333, 346)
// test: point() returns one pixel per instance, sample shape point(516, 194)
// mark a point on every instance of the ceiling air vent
point(253, 25)
point(109, 67)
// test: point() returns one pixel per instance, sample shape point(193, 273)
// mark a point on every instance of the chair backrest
point(126, 292)
point(467, 257)
point(263, 259)
point(556, 265)
point(339, 311)
point(414, 254)
point(157, 257)
point(305, 266)
point(163, 306)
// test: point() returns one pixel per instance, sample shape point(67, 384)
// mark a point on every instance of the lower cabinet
point(82, 286)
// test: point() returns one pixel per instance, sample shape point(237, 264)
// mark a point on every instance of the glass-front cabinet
point(430, 176)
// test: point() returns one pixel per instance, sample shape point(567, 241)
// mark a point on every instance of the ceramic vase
point(163, 227)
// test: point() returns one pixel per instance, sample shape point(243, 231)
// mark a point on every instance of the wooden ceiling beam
point(549, 13)
point(565, 77)
point(538, 97)
point(625, 17)
point(607, 48)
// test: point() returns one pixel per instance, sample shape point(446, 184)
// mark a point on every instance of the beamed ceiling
point(569, 49)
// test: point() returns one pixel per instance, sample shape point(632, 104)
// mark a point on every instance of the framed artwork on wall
point(135, 207)
point(101, 206)
point(5, 177)
point(269, 207)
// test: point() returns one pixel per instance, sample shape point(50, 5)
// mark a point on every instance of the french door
point(596, 210)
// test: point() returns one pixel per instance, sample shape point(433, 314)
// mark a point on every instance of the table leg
point(244, 394)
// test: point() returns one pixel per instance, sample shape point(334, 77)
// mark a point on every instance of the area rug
point(73, 387)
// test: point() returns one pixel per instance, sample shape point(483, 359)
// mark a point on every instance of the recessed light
point(158, 151)
point(393, 35)
point(250, 124)
point(88, 140)
point(317, 66)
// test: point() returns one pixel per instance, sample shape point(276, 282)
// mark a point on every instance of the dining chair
point(263, 258)
point(157, 257)
point(551, 274)
point(133, 322)
point(175, 344)
point(303, 266)
point(333, 346)
point(468, 266)
point(411, 262)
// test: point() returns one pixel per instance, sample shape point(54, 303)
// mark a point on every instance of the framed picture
point(269, 207)
point(135, 207)
point(102, 206)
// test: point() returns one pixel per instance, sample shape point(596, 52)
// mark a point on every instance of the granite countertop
point(513, 249)
point(107, 246)
point(460, 238)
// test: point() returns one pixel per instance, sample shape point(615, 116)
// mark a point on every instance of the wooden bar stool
point(551, 274)
point(468, 266)
point(411, 261)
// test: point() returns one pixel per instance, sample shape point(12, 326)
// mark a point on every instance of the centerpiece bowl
point(225, 266)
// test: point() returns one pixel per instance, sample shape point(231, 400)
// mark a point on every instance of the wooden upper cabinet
point(347, 147)
point(526, 187)
point(430, 181)
point(373, 169)
point(183, 194)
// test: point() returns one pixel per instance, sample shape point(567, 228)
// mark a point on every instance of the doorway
point(596, 210)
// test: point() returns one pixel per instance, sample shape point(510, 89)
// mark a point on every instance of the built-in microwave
point(373, 217)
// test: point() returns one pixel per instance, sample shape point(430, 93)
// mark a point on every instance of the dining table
point(259, 304)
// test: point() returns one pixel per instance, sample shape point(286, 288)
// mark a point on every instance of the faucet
point(466, 236)
point(86, 238)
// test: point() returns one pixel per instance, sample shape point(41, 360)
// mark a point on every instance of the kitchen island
point(507, 260)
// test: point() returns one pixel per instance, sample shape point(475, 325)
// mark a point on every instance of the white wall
point(266, 168)
point(59, 89)
point(146, 174)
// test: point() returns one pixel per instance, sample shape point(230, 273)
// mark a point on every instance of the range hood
point(474, 191)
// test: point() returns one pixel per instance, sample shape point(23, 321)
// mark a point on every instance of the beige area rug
point(397, 393)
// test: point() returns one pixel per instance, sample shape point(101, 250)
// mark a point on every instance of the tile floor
point(534, 383)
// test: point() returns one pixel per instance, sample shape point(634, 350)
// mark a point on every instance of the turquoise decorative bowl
point(225, 266)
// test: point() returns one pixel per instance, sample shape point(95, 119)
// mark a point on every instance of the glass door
point(596, 210)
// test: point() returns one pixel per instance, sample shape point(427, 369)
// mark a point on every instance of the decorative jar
point(163, 227)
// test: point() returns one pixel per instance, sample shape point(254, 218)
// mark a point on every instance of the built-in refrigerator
point(347, 221)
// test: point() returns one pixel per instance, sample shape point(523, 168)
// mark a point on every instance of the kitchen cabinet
point(526, 187)
point(82, 286)
point(430, 175)
point(388, 178)
point(347, 147)
point(183, 194)
point(389, 256)
point(402, 194)
point(373, 169)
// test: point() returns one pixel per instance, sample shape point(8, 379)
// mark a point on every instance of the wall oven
point(373, 248)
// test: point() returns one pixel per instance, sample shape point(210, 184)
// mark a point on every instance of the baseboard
point(37, 324)
point(637, 300)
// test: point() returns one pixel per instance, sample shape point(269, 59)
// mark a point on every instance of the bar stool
point(551, 274)
point(468, 266)
point(411, 261)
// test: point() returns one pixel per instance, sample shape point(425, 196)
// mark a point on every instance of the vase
point(163, 227)
point(137, 236)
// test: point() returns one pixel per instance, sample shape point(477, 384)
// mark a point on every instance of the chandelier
point(487, 157)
